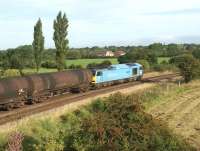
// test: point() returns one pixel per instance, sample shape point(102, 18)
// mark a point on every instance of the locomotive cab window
point(93, 72)
point(99, 73)
point(134, 70)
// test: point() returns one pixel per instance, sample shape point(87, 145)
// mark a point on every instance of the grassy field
point(85, 62)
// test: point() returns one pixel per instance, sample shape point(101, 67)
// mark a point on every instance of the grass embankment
point(114, 123)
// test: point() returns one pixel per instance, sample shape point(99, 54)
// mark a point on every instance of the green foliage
point(196, 53)
point(49, 65)
point(139, 54)
point(61, 43)
point(19, 58)
point(38, 44)
point(164, 66)
point(72, 66)
point(114, 123)
point(11, 73)
point(73, 54)
point(120, 124)
point(188, 65)
point(145, 64)
point(104, 64)
point(46, 135)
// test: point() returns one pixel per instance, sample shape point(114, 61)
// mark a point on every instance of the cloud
point(189, 11)
point(101, 22)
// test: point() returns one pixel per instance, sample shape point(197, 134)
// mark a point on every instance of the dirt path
point(182, 114)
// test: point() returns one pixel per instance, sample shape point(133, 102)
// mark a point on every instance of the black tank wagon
point(15, 92)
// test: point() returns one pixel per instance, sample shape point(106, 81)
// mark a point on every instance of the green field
point(85, 62)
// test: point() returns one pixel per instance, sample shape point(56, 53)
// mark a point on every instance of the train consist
point(15, 92)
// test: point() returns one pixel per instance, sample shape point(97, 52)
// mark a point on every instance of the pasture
point(85, 62)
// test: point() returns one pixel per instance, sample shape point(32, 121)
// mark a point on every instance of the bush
point(104, 64)
point(145, 64)
point(114, 123)
point(164, 67)
point(134, 55)
point(188, 65)
point(120, 124)
point(49, 64)
point(11, 73)
point(72, 66)
point(196, 54)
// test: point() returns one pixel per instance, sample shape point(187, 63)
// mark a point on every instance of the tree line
point(34, 55)
point(186, 60)
point(183, 56)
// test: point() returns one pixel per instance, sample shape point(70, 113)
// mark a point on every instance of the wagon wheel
point(9, 107)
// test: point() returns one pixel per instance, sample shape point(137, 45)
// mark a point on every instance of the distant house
point(105, 54)
point(119, 53)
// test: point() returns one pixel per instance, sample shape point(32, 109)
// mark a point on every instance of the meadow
point(85, 62)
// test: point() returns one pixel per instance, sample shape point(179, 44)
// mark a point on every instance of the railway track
point(58, 101)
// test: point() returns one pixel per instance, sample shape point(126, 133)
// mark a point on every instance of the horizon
point(102, 23)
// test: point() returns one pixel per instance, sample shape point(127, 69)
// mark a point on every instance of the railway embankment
point(115, 122)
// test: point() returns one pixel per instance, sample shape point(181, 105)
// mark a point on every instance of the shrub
point(49, 64)
point(11, 73)
point(164, 67)
point(120, 124)
point(103, 64)
point(72, 66)
point(114, 123)
point(188, 65)
point(145, 64)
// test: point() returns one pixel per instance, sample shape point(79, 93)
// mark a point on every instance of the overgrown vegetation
point(104, 64)
point(114, 123)
point(188, 65)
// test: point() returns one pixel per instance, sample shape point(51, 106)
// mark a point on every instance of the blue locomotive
point(115, 73)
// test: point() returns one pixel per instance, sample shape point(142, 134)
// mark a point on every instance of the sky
point(102, 22)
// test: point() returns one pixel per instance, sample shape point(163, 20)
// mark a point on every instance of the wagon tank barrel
point(38, 84)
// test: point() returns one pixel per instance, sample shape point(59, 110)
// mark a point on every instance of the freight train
point(15, 92)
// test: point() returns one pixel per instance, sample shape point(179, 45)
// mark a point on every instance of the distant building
point(119, 53)
point(105, 54)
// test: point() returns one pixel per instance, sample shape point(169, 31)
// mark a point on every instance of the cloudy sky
point(102, 22)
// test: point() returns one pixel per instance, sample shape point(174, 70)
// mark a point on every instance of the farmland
point(180, 109)
point(85, 62)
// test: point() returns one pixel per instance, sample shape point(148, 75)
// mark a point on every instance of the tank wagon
point(15, 92)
